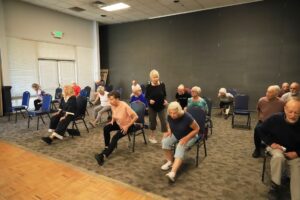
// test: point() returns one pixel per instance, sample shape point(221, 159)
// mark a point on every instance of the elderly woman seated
point(137, 95)
point(61, 119)
point(103, 107)
point(182, 128)
point(196, 100)
point(226, 99)
point(39, 93)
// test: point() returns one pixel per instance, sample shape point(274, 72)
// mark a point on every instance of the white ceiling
point(139, 10)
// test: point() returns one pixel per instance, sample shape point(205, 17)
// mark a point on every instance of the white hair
point(153, 73)
point(175, 106)
point(181, 86)
point(275, 88)
point(197, 89)
point(222, 90)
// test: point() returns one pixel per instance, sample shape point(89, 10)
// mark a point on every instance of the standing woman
point(156, 97)
point(39, 93)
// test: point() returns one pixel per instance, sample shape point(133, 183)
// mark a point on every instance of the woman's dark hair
point(114, 94)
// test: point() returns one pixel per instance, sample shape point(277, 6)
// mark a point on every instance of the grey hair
point(181, 86)
point(276, 88)
point(175, 106)
point(197, 89)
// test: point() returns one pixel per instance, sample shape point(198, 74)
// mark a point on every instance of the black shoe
point(256, 153)
point(100, 159)
point(274, 192)
point(48, 140)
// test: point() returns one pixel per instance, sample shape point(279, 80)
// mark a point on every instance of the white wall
point(28, 38)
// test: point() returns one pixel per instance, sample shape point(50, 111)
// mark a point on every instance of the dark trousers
point(111, 144)
point(37, 104)
point(257, 140)
point(60, 126)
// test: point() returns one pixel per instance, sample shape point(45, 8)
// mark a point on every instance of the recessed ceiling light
point(114, 7)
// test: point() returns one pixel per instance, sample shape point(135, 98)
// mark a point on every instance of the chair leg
point(133, 141)
point(38, 121)
point(49, 116)
point(8, 116)
point(143, 132)
point(232, 120)
point(204, 145)
point(85, 125)
point(197, 156)
point(263, 169)
point(22, 114)
point(28, 121)
point(42, 119)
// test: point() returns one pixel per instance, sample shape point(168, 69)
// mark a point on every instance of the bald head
point(292, 110)
point(272, 92)
point(294, 88)
point(285, 87)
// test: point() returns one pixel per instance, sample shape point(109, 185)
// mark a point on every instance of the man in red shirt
point(76, 88)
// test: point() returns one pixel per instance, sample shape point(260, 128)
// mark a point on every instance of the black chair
point(241, 108)
point(143, 87)
point(208, 115)
point(57, 98)
point(23, 107)
point(233, 91)
point(80, 112)
point(200, 117)
point(44, 110)
point(139, 108)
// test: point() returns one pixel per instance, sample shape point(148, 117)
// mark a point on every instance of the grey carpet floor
point(228, 172)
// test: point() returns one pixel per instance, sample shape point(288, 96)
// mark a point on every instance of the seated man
point(61, 119)
point(182, 128)
point(281, 132)
point(294, 92)
point(123, 118)
point(182, 96)
point(266, 106)
point(196, 100)
point(226, 99)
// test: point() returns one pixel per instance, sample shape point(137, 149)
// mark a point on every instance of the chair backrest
point(46, 105)
point(58, 93)
point(233, 91)
point(83, 93)
point(241, 102)
point(25, 99)
point(109, 88)
point(139, 108)
point(143, 87)
point(120, 90)
point(209, 105)
point(199, 115)
point(81, 106)
point(88, 90)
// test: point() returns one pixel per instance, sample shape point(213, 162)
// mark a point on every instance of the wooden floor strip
point(29, 175)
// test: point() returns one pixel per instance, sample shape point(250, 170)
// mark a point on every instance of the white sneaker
point(153, 140)
point(50, 130)
point(166, 166)
point(171, 176)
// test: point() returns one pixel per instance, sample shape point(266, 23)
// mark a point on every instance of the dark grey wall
point(246, 47)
